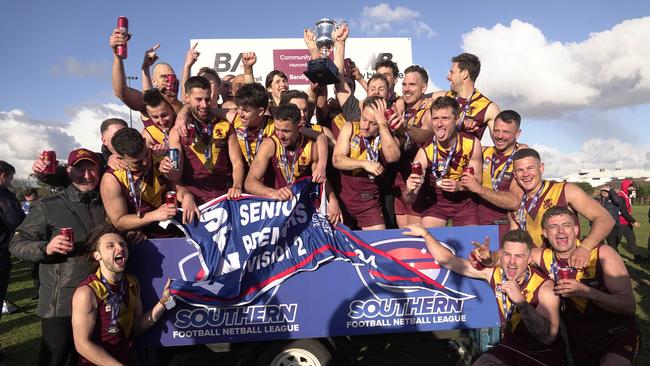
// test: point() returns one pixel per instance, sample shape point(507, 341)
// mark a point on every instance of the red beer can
point(478, 264)
point(50, 157)
point(170, 198)
point(566, 273)
point(416, 168)
point(68, 233)
point(468, 170)
point(123, 25)
point(171, 82)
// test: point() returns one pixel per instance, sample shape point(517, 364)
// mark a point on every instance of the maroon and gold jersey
point(252, 136)
point(589, 325)
point(120, 344)
point(552, 195)
point(150, 191)
point(478, 105)
point(460, 160)
point(493, 165)
point(302, 158)
point(357, 183)
point(208, 174)
point(157, 134)
point(337, 124)
point(514, 330)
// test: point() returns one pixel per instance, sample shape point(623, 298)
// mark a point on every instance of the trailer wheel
point(299, 352)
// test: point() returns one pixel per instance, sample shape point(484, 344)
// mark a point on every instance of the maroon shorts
point(459, 207)
point(623, 340)
point(364, 210)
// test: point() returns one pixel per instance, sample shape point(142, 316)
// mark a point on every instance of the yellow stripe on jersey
point(479, 102)
point(534, 282)
point(157, 134)
point(152, 194)
point(464, 148)
point(219, 142)
point(587, 274)
point(268, 124)
point(127, 313)
point(304, 160)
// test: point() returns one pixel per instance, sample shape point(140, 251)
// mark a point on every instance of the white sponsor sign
point(291, 56)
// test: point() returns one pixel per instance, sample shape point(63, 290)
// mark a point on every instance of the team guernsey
point(159, 136)
point(474, 109)
point(250, 139)
point(207, 170)
point(593, 331)
point(529, 216)
point(288, 166)
point(359, 189)
point(118, 344)
point(497, 176)
point(409, 149)
point(143, 193)
point(518, 346)
point(432, 200)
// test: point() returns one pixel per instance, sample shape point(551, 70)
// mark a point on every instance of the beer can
point(170, 198)
point(174, 155)
point(388, 113)
point(468, 170)
point(50, 157)
point(191, 134)
point(171, 82)
point(567, 273)
point(68, 233)
point(416, 168)
point(123, 25)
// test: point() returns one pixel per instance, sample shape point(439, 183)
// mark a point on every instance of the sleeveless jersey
point(515, 333)
point(478, 105)
point(552, 195)
point(583, 318)
point(301, 157)
point(120, 344)
point(252, 136)
point(358, 180)
point(208, 178)
point(157, 134)
point(493, 160)
point(337, 124)
point(461, 158)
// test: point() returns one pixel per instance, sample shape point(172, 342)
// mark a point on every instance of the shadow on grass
point(24, 353)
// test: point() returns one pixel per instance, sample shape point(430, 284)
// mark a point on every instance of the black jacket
point(611, 203)
point(59, 274)
point(11, 215)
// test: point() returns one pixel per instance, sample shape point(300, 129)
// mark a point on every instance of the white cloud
point(381, 18)
point(524, 70)
point(73, 67)
point(25, 137)
point(594, 154)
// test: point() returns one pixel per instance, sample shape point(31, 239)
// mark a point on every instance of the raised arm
point(190, 58)
point(132, 98)
point(445, 257)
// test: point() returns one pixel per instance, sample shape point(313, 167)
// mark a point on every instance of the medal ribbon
point(288, 165)
point(114, 300)
point(249, 151)
point(506, 165)
point(507, 309)
point(523, 210)
point(434, 163)
point(136, 196)
point(465, 109)
point(372, 150)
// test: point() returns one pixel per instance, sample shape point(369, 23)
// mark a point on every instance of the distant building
point(598, 177)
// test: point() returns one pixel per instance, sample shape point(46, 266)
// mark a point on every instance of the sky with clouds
point(577, 71)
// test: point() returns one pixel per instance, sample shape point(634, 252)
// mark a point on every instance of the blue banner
point(257, 269)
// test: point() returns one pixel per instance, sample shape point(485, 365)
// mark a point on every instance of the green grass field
point(20, 332)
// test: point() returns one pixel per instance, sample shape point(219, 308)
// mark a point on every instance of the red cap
point(82, 154)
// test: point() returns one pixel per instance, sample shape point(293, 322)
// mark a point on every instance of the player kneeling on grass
point(106, 307)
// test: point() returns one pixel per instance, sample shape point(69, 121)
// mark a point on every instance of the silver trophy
point(322, 70)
